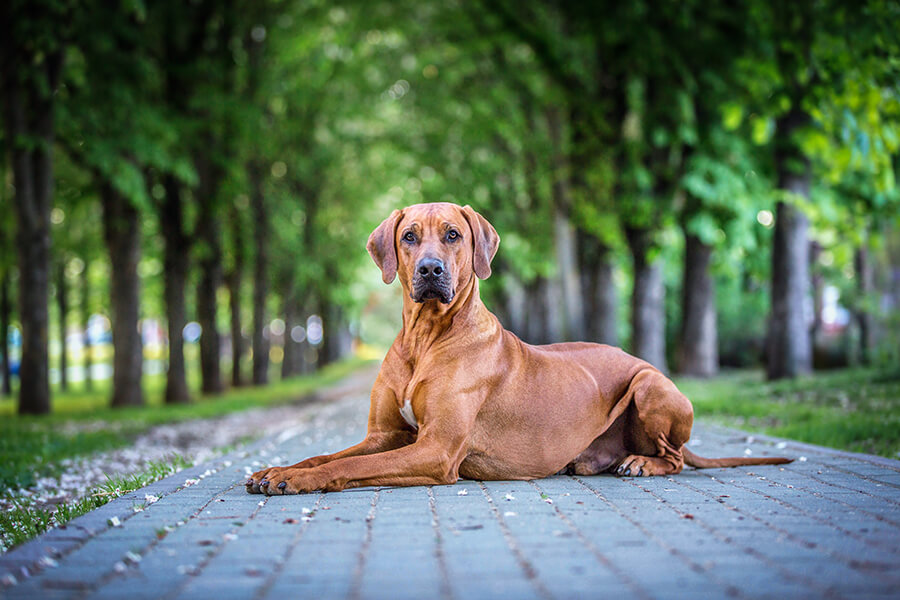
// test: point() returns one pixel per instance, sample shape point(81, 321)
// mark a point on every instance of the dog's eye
point(410, 237)
point(452, 235)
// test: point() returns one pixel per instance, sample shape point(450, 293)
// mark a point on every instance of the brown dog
point(458, 395)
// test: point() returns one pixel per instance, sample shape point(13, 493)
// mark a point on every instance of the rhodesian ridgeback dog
point(459, 396)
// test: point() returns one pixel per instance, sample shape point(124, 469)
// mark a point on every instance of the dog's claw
point(628, 472)
point(282, 485)
point(640, 473)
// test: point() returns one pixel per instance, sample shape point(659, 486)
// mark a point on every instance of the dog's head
point(435, 248)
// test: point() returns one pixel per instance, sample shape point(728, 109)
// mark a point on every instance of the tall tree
point(32, 53)
point(698, 351)
point(175, 261)
point(119, 154)
point(234, 280)
point(181, 36)
point(256, 46)
point(218, 133)
point(210, 263)
point(794, 28)
point(260, 273)
point(790, 344)
point(122, 231)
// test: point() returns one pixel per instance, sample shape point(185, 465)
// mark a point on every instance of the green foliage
point(668, 121)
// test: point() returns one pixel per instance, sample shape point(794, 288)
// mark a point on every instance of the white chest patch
point(408, 415)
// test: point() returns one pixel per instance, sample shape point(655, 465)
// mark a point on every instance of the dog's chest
point(408, 415)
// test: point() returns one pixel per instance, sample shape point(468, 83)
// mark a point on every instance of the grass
point(83, 423)
point(26, 521)
point(852, 409)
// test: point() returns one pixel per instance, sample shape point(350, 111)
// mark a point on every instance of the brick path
point(826, 526)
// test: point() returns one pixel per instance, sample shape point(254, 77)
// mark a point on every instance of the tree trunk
point(260, 274)
point(62, 304)
point(543, 317)
point(599, 291)
point(698, 350)
point(517, 316)
point(237, 337)
point(865, 286)
point(210, 342)
point(648, 315)
point(210, 262)
point(233, 281)
point(789, 348)
point(122, 229)
point(818, 296)
point(338, 341)
point(175, 262)
point(290, 364)
point(564, 234)
point(5, 310)
point(30, 134)
point(85, 321)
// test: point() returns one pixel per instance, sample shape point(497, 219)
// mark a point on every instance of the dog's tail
point(699, 462)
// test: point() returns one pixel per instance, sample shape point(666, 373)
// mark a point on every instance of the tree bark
point(543, 317)
point(5, 310)
point(818, 296)
point(122, 229)
point(599, 291)
point(29, 116)
point(260, 274)
point(515, 305)
point(789, 345)
point(233, 280)
point(338, 341)
point(865, 286)
point(210, 342)
point(175, 261)
point(210, 262)
point(290, 365)
point(698, 351)
point(564, 233)
point(85, 321)
point(62, 305)
point(648, 315)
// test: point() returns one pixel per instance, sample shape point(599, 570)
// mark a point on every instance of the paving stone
point(824, 527)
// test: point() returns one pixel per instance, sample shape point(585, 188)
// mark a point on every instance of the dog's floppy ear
point(382, 246)
point(486, 242)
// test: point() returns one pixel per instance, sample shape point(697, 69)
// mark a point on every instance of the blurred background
point(187, 186)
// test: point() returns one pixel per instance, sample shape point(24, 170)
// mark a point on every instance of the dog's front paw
point(271, 481)
point(278, 481)
point(257, 482)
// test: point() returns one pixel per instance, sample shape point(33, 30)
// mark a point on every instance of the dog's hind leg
point(605, 451)
point(660, 425)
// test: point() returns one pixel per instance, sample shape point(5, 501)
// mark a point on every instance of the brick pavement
point(826, 526)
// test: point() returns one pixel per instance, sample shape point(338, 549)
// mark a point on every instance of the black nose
point(430, 267)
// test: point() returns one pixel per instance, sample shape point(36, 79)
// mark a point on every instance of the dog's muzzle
point(431, 280)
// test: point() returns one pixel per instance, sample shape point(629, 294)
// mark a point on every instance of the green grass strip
point(26, 521)
point(852, 409)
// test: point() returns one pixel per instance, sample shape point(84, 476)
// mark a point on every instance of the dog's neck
point(425, 323)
